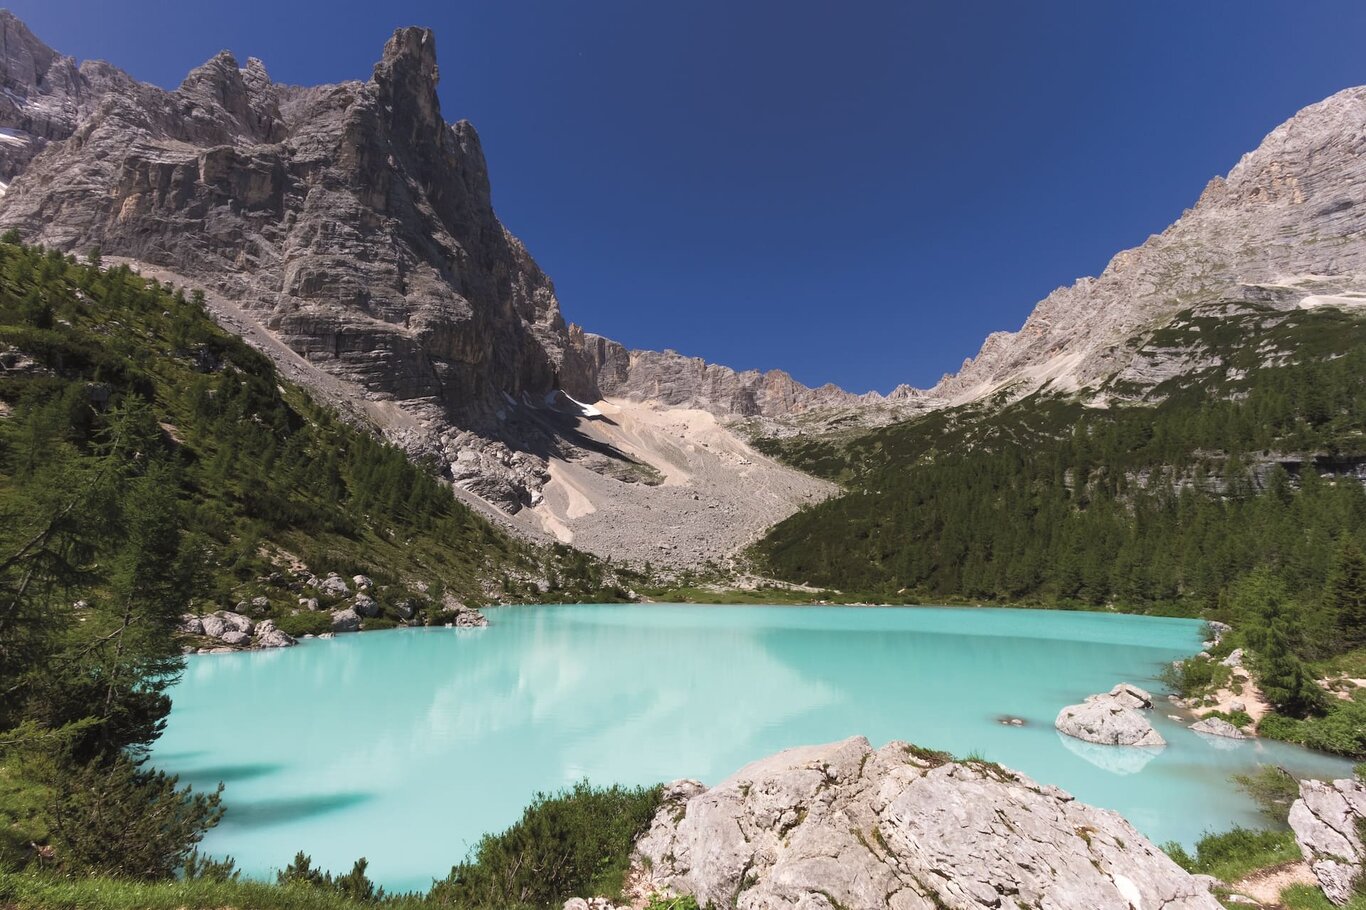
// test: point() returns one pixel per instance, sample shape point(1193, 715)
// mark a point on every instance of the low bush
point(1233, 854)
point(1342, 730)
point(1195, 676)
point(305, 623)
point(1309, 897)
point(1273, 789)
point(375, 623)
point(574, 843)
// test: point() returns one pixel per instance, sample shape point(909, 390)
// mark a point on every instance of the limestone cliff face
point(599, 367)
point(43, 95)
point(845, 825)
point(1287, 223)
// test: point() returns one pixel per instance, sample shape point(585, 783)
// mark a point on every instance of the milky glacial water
point(406, 746)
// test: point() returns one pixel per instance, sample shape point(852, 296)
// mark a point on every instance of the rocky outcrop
point(1111, 719)
point(347, 620)
point(1329, 821)
point(43, 95)
point(235, 629)
point(1128, 695)
point(268, 636)
point(462, 616)
point(844, 825)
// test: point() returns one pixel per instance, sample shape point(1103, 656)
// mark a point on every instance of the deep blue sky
point(853, 192)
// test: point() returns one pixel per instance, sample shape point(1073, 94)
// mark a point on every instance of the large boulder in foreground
point(844, 825)
point(1328, 821)
point(1111, 718)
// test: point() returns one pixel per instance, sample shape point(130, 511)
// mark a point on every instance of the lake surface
point(406, 746)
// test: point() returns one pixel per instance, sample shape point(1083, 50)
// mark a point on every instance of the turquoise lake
point(406, 746)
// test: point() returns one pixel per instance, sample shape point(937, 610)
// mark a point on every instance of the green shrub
point(374, 624)
point(574, 843)
point(1342, 730)
point(305, 623)
point(664, 902)
point(1233, 854)
point(1309, 897)
point(1273, 789)
point(116, 818)
point(1195, 676)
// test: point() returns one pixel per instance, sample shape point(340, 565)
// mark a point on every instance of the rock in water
point(1108, 723)
point(1217, 726)
point(844, 825)
point(1111, 718)
point(1328, 821)
point(470, 618)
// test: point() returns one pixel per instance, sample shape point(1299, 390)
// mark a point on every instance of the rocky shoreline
point(332, 604)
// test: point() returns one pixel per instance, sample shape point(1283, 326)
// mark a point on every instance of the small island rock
point(1109, 722)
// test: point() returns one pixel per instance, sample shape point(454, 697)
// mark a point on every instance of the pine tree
point(1347, 595)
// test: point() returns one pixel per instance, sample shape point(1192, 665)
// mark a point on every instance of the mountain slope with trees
point(1252, 468)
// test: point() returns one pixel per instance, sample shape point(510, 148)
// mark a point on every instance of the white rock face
point(268, 636)
point(236, 621)
point(1128, 695)
point(1326, 820)
point(1111, 718)
point(1217, 726)
point(844, 825)
point(345, 621)
point(213, 626)
point(334, 586)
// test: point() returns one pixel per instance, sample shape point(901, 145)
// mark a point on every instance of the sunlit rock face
point(845, 825)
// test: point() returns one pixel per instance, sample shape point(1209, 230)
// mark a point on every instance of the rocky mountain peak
point(41, 95)
point(26, 59)
point(219, 100)
point(406, 77)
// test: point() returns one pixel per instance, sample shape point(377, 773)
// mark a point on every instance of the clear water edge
point(407, 746)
